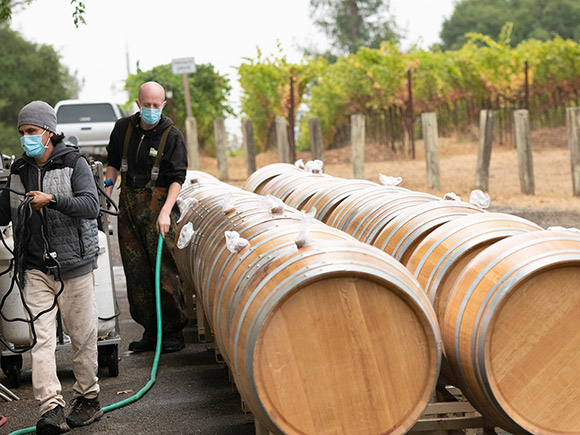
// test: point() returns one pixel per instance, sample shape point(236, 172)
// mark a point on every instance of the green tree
point(209, 94)
point(28, 72)
point(537, 19)
point(266, 90)
point(351, 24)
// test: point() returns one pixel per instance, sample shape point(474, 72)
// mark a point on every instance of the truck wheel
point(109, 357)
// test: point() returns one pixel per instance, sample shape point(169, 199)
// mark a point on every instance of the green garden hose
point(149, 384)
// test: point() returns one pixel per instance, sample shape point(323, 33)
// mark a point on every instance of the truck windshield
point(78, 113)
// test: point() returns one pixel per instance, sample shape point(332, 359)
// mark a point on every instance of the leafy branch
point(8, 6)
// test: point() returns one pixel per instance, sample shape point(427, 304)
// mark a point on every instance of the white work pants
point(78, 310)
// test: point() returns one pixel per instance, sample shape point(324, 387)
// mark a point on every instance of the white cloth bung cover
point(387, 180)
point(272, 204)
point(234, 242)
point(185, 205)
point(451, 196)
point(186, 235)
point(479, 199)
point(303, 238)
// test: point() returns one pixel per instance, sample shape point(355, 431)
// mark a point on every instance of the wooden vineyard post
point(357, 140)
point(486, 123)
point(249, 146)
point(282, 140)
point(315, 132)
point(429, 121)
point(524, 148)
point(192, 143)
point(221, 148)
point(573, 125)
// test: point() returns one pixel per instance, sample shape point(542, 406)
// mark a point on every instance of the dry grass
point(457, 163)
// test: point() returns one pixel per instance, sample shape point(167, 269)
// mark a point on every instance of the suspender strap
point(124, 161)
point(156, 164)
point(155, 169)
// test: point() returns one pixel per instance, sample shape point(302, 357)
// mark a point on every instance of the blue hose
point(149, 384)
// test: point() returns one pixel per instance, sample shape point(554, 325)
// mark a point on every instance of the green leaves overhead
point(8, 6)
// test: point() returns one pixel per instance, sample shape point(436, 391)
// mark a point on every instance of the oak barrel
point(444, 253)
point(349, 207)
point(260, 177)
point(327, 198)
point(512, 332)
point(404, 232)
point(372, 216)
point(319, 334)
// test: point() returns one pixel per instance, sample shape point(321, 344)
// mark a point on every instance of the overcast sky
point(120, 33)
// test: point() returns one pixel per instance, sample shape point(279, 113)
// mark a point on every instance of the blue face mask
point(32, 145)
point(150, 116)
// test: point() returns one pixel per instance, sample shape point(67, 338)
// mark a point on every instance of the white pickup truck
point(90, 122)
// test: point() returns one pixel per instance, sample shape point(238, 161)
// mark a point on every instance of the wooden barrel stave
point(256, 181)
point(350, 206)
point(328, 198)
point(373, 216)
point(254, 225)
point(300, 197)
point(283, 186)
point(265, 244)
point(404, 232)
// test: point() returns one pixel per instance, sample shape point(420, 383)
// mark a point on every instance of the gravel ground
point(544, 217)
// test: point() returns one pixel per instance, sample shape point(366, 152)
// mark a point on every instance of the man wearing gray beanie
point(38, 113)
point(60, 248)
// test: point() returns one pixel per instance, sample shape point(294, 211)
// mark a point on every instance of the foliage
point(9, 140)
point(351, 24)
point(266, 90)
point(533, 19)
point(7, 6)
point(208, 93)
point(29, 72)
point(372, 81)
point(79, 12)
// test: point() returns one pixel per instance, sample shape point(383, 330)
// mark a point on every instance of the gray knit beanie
point(38, 113)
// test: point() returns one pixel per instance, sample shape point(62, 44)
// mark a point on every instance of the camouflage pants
point(138, 239)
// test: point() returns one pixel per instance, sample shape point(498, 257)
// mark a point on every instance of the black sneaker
point(52, 422)
point(146, 344)
point(84, 411)
point(172, 343)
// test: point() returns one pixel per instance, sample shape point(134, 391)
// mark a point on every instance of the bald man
point(150, 154)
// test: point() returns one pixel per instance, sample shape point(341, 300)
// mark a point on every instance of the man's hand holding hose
point(39, 199)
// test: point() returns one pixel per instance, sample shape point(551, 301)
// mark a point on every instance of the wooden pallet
point(439, 418)
point(452, 417)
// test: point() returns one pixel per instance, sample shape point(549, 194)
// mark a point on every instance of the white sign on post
point(185, 65)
